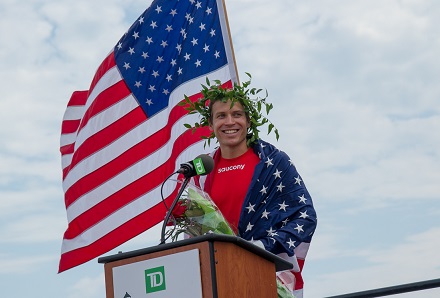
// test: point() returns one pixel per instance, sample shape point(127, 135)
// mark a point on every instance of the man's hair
point(211, 103)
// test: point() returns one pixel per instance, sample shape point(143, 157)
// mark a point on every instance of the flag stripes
point(115, 157)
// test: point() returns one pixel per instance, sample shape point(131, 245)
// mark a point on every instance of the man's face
point(229, 125)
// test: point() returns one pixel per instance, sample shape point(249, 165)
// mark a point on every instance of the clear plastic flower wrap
point(195, 214)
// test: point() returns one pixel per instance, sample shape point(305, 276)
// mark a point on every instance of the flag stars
point(202, 27)
point(283, 206)
point(250, 208)
point(159, 59)
point(299, 228)
point(277, 174)
point(212, 32)
point(302, 199)
point(169, 28)
point(268, 162)
point(138, 84)
point(145, 55)
point(165, 91)
point(208, 11)
point(198, 4)
point(141, 20)
point(206, 48)
point(291, 243)
point(304, 214)
point(264, 190)
point(126, 65)
point(136, 35)
point(158, 9)
point(164, 43)
point(187, 56)
point(298, 180)
point(152, 88)
point(217, 54)
point(173, 62)
point(249, 227)
point(149, 102)
point(265, 214)
point(149, 40)
point(270, 231)
point(180, 71)
point(169, 78)
point(285, 222)
point(153, 24)
point(141, 69)
point(155, 73)
point(173, 12)
point(194, 41)
point(280, 187)
point(131, 51)
point(198, 63)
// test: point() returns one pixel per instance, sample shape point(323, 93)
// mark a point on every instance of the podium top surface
point(280, 263)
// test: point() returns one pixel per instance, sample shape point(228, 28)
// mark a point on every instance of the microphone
point(201, 165)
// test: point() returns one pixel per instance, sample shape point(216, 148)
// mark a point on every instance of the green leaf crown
point(254, 107)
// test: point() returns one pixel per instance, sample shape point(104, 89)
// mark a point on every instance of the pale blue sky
point(356, 100)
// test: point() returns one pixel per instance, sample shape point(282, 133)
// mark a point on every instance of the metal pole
point(399, 289)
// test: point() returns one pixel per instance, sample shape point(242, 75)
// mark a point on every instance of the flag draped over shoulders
point(121, 138)
point(278, 212)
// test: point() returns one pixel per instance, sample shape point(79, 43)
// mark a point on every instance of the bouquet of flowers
point(195, 214)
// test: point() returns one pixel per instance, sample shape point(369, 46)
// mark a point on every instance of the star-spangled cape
point(277, 211)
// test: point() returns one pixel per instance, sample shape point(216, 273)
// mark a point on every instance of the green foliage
point(249, 98)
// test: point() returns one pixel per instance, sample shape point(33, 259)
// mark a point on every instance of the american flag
point(277, 211)
point(121, 138)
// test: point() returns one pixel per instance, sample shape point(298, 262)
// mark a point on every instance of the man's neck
point(233, 152)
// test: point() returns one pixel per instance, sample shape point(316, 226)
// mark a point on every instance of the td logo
point(198, 163)
point(155, 279)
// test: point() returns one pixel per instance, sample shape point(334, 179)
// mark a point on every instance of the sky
point(356, 97)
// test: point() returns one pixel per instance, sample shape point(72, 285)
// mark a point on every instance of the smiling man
point(255, 185)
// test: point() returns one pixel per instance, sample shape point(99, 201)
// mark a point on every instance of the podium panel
point(161, 277)
point(224, 266)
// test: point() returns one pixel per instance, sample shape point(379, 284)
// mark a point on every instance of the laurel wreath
point(253, 104)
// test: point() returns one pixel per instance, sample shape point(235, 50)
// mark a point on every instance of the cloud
point(10, 264)
point(88, 287)
point(410, 261)
point(33, 228)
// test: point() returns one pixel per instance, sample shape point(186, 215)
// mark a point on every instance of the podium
point(207, 266)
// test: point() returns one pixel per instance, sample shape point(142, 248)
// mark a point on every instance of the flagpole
point(230, 39)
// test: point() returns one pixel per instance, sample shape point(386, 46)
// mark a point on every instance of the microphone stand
point(170, 211)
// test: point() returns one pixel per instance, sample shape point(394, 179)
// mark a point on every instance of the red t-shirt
point(230, 183)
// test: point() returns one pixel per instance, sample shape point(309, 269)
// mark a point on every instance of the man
point(255, 185)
